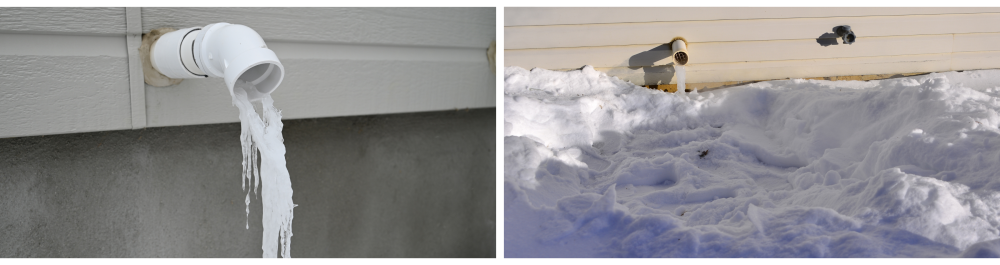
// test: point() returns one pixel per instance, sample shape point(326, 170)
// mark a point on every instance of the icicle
point(248, 210)
point(679, 71)
point(263, 135)
point(256, 172)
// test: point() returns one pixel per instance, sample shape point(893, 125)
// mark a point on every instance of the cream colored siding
point(539, 16)
point(741, 44)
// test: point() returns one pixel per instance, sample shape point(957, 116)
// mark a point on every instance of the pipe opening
point(681, 58)
point(265, 77)
point(678, 47)
point(845, 33)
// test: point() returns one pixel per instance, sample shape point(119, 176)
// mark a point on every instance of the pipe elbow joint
point(238, 54)
point(234, 52)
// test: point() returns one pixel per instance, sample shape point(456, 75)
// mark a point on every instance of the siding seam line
point(137, 84)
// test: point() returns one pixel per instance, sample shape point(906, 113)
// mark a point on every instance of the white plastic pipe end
point(237, 53)
point(259, 67)
point(680, 53)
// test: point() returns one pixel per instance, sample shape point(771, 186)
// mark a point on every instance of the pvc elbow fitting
point(680, 52)
point(233, 52)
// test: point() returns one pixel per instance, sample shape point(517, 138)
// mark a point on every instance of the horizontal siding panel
point(720, 52)
point(748, 71)
point(444, 27)
point(62, 45)
point(975, 60)
point(41, 95)
point(532, 37)
point(535, 16)
point(298, 50)
point(977, 42)
point(67, 20)
point(327, 88)
point(338, 62)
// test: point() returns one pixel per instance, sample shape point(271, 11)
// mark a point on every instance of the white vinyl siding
point(66, 70)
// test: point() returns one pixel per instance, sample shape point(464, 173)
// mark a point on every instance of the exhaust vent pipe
point(845, 33)
point(680, 53)
point(234, 52)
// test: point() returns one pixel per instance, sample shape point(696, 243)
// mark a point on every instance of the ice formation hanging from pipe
point(251, 72)
point(680, 56)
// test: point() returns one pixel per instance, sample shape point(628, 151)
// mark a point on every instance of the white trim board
point(136, 87)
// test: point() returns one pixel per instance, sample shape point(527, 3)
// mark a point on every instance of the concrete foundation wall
point(401, 185)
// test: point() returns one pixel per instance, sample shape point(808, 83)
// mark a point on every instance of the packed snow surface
point(276, 194)
point(598, 167)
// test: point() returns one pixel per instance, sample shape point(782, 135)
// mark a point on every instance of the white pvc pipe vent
point(233, 52)
point(680, 52)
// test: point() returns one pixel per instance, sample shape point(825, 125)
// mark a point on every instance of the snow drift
point(598, 167)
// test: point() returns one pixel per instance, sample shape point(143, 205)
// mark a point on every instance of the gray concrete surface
point(404, 185)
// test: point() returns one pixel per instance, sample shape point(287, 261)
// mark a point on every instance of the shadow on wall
point(830, 38)
point(827, 39)
point(653, 75)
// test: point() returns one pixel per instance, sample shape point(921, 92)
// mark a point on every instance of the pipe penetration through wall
point(231, 51)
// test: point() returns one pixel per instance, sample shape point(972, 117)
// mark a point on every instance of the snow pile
point(265, 135)
point(598, 167)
